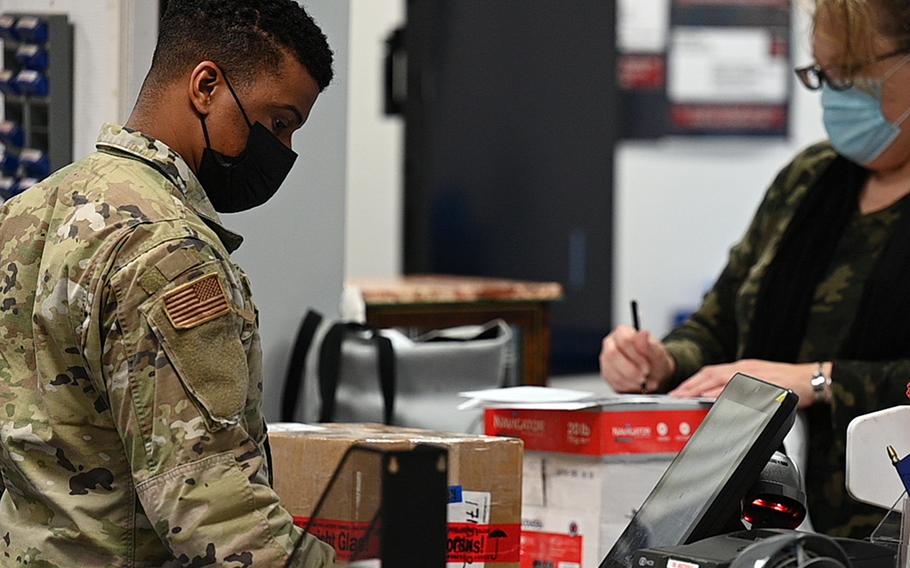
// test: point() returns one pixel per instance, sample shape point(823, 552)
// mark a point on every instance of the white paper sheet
point(528, 395)
point(294, 427)
point(548, 398)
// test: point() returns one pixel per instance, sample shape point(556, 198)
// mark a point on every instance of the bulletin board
point(704, 67)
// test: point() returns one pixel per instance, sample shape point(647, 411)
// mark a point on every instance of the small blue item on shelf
point(9, 187)
point(8, 85)
point(35, 162)
point(33, 83)
point(33, 57)
point(8, 28)
point(10, 190)
point(25, 183)
point(11, 134)
point(32, 29)
point(9, 163)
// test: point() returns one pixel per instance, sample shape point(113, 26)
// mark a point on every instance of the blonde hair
point(861, 25)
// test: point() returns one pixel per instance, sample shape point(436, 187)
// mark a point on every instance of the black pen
point(636, 323)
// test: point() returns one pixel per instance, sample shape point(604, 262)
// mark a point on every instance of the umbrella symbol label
point(473, 543)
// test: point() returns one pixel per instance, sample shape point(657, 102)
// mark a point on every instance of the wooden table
point(432, 302)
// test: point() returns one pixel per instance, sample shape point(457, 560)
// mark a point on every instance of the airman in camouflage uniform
point(127, 439)
point(131, 426)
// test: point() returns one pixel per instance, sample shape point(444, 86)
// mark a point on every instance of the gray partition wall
point(294, 244)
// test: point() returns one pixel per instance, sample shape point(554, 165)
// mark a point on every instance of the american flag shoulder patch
point(196, 302)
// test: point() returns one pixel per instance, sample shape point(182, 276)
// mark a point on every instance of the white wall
point(294, 244)
point(681, 203)
point(375, 148)
point(139, 35)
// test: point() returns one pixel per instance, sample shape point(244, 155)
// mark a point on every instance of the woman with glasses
point(816, 296)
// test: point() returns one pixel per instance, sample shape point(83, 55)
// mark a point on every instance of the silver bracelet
point(821, 385)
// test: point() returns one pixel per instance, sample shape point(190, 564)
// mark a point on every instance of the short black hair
point(244, 37)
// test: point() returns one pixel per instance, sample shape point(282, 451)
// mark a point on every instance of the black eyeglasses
point(813, 77)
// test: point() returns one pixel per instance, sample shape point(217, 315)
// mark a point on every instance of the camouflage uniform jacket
point(131, 431)
point(716, 333)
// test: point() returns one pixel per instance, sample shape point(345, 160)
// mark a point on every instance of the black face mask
point(239, 183)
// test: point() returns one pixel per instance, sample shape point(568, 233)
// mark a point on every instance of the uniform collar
point(121, 140)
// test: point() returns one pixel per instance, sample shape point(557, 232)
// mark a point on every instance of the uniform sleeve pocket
point(205, 508)
point(200, 337)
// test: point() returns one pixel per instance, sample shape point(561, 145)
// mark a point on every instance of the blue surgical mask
point(856, 123)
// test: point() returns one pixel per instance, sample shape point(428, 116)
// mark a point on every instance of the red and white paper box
point(623, 426)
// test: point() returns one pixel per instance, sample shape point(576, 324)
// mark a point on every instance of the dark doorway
point(509, 152)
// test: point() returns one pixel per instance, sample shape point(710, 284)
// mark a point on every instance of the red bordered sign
point(467, 542)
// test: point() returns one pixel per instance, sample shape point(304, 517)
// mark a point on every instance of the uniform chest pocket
point(197, 328)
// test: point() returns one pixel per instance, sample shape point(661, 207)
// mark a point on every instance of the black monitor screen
point(703, 486)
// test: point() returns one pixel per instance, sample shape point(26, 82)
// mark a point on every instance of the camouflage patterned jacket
point(131, 431)
point(717, 331)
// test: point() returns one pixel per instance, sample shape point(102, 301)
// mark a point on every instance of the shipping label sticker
point(473, 540)
point(473, 508)
point(476, 544)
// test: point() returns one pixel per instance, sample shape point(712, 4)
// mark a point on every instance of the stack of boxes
point(559, 496)
point(587, 471)
point(36, 84)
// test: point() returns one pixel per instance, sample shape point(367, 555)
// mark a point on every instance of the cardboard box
point(586, 501)
point(558, 538)
point(484, 479)
point(588, 467)
point(615, 488)
point(645, 425)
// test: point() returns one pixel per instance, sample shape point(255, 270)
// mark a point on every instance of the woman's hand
point(711, 380)
point(632, 361)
